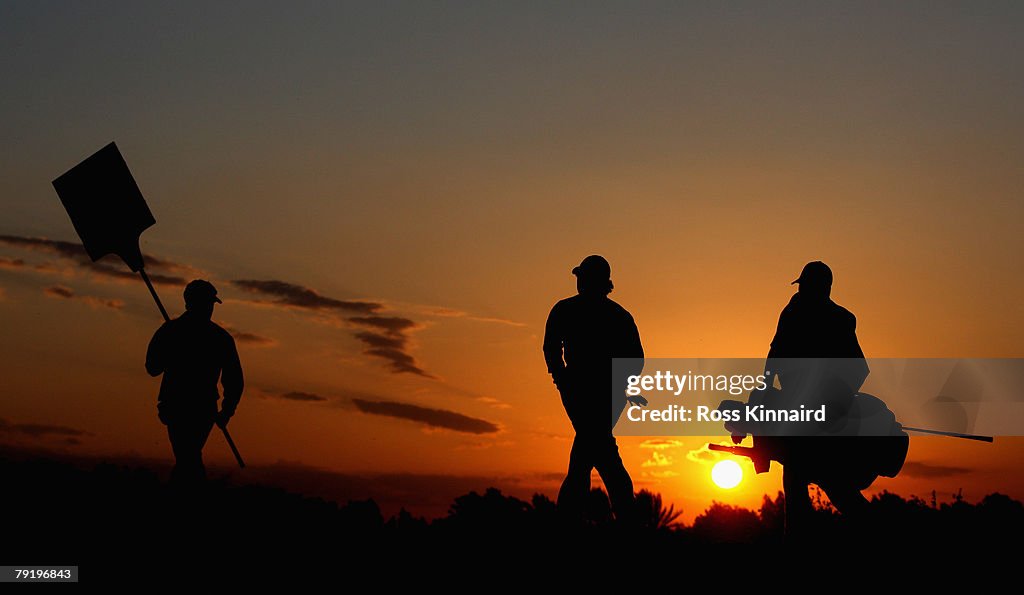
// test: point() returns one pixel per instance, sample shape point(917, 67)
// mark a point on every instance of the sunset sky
point(390, 197)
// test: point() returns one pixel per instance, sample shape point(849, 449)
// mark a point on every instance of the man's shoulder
point(203, 328)
point(170, 326)
point(792, 306)
point(220, 331)
point(568, 303)
point(843, 315)
point(618, 308)
point(590, 306)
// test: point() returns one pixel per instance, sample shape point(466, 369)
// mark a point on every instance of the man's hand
point(638, 400)
point(222, 417)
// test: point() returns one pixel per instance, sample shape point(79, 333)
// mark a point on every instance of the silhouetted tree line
point(117, 517)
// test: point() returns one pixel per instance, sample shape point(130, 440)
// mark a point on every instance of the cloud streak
point(302, 396)
point(161, 270)
point(11, 264)
point(657, 460)
point(929, 471)
point(63, 292)
point(704, 455)
point(453, 313)
point(68, 434)
point(383, 337)
point(297, 296)
point(661, 444)
point(434, 418)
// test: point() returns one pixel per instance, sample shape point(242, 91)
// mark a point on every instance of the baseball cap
point(815, 272)
point(201, 290)
point(593, 266)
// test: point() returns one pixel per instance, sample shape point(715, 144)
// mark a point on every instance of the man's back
point(586, 332)
point(193, 353)
point(815, 328)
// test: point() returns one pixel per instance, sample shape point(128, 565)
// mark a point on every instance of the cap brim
point(217, 299)
point(795, 281)
point(575, 270)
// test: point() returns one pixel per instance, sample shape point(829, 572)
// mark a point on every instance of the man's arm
point(780, 347)
point(634, 348)
point(156, 354)
point(553, 344)
point(780, 342)
point(861, 371)
point(231, 379)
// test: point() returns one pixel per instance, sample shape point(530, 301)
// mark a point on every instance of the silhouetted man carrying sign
point(193, 353)
point(582, 335)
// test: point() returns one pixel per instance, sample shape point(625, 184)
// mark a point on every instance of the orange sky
point(451, 166)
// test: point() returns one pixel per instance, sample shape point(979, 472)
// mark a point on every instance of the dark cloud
point(929, 471)
point(386, 339)
point(249, 338)
point(160, 270)
point(389, 341)
point(435, 418)
point(296, 296)
point(41, 430)
point(63, 292)
point(382, 341)
point(11, 263)
point(302, 396)
point(399, 361)
point(123, 273)
point(69, 250)
point(393, 349)
point(59, 291)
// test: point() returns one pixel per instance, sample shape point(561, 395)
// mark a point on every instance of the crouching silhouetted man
point(582, 336)
point(193, 353)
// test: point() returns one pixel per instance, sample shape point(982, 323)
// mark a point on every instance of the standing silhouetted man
point(817, 357)
point(193, 353)
point(582, 335)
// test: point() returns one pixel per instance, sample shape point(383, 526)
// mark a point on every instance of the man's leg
point(187, 441)
point(615, 477)
point(798, 503)
point(859, 523)
point(576, 485)
point(849, 501)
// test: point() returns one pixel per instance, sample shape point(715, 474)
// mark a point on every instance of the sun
point(727, 474)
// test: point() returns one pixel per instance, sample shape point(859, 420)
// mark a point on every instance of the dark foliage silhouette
point(652, 513)
point(120, 520)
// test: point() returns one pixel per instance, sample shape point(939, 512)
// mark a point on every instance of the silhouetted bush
point(117, 518)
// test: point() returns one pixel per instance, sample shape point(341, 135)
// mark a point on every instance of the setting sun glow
point(726, 474)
